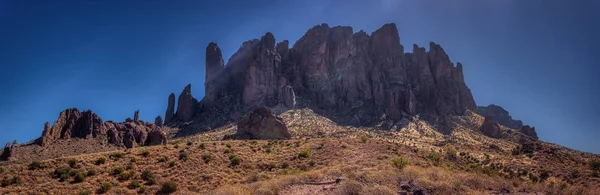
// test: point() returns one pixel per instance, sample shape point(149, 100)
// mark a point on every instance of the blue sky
point(538, 59)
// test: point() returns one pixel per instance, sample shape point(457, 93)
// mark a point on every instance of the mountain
point(356, 78)
point(337, 113)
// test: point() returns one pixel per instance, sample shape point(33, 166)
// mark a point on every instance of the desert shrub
point(268, 150)
point(202, 146)
point(8, 180)
point(61, 171)
point(206, 158)
point(134, 184)
point(183, 156)
point(168, 187)
point(148, 176)
point(124, 176)
point(176, 146)
point(399, 162)
point(285, 165)
point(72, 162)
point(162, 159)
point(145, 153)
point(595, 174)
point(304, 153)
point(434, 157)
point(34, 165)
point(227, 151)
point(100, 161)
point(594, 164)
point(171, 164)
point(105, 187)
point(575, 173)
point(364, 139)
point(133, 159)
point(234, 160)
point(451, 154)
point(544, 175)
point(311, 163)
point(350, 187)
point(130, 166)
point(117, 170)
point(189, 143)
point(73, 172)
point(228, 145)
point(85, 192)
point(79, 177)
point(116, 155)
point(91, 172)
point(142, 190)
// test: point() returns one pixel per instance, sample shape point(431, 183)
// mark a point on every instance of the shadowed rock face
point(170, 109)
point(359, 78)
point(261, 124)
point(9, 151)
point(72, 123)
point(500, 115)
point(491, 128)
point(529, 131)
point(186, 104)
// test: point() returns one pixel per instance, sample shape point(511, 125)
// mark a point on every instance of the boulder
point(491, 128)
point(156, 137)
point(261, 124)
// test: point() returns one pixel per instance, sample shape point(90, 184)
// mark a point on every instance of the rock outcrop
point(186, 104)
point(357, 78)
point(158, 121)
point(136, 116)
point(9, 151)
point(170, 113)
point(72, 123)
point(261, 124)
point(529, 131)
point(500, 115)
point(491, 128)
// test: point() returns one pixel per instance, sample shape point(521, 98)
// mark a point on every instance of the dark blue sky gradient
point(536, 58)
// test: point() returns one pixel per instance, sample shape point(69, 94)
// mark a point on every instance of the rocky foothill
point(73, 123)
point(261, 124)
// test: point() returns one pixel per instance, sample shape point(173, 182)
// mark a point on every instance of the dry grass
point(321, 151)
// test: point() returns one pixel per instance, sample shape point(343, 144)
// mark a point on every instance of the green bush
point(79, 177)
point(60, 171)
point(148, 177)
point(162, 159)
point(134, 184)
point(168, 187)
point(172, 164)
point(399, 162)
point(594, 164)
point(117, 170)
point(234, 160)
point(105, 187)
point(133, 160)
point(189, 143)
point(311, 163)
point(124, 176)
point(183, 156)
point(85, 192)
point(72, 162)
point(206, 158)
point(202, 146)
point(142, 190)
point(145, 153)
point(34, 165)
point(91, 172)
point(228, 145)
point(100, 161)
point(434, 157)
point(116, 155)
point(304, 153)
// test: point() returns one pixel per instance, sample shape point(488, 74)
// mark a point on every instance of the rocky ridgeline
point(359, 79)
point(502, 117)
point(72, 123)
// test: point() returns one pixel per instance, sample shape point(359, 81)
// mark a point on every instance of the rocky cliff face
point(9, 151)
point(72, 123)
point(358, 78)
point(500, 115)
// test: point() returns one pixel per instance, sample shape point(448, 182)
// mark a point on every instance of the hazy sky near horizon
point(539, 59)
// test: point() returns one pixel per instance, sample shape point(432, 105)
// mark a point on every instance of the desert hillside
point(365, 160)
